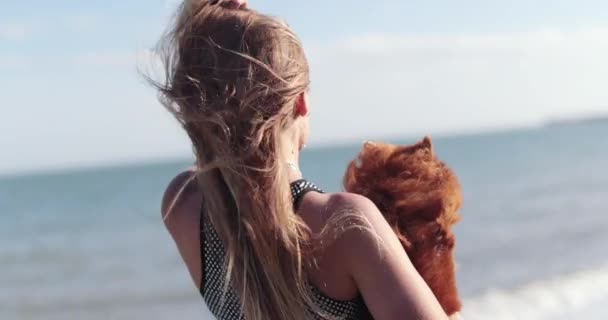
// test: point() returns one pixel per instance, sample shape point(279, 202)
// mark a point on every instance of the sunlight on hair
point(230, 77)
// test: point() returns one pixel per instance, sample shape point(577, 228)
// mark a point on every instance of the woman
point(257, 249)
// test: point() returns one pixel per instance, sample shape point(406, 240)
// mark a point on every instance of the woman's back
point(332, 289)
point(344, 302)
point(340, 252)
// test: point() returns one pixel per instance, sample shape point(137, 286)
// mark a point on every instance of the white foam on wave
point(583, 295)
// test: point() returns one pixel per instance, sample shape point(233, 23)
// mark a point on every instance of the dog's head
point(407, 183)
point(420, 198)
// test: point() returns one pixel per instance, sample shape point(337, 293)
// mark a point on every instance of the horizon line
point(68, 169)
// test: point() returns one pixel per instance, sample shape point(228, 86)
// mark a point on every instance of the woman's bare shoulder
point(323, 212)
point(345, 220)
point(181, 193)
point(356, 209)
point(347, 200)
point(373, 256)
point(364, 232)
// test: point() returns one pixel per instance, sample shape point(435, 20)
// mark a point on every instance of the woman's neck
point(291, 159)
point(292, 164)
point(294, 172)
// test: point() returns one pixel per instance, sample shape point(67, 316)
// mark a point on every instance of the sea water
point(532, 244)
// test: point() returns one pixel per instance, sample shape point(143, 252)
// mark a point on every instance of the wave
point(583, 295)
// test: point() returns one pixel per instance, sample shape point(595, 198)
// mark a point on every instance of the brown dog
point(420, 197)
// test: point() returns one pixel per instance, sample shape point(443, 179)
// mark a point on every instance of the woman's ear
point(302, 104)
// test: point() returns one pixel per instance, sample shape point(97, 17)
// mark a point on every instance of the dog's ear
point(375, 146)
point(427, 143)
point(423, 148)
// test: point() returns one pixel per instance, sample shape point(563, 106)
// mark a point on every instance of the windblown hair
point(420, 198)
point(232, 79)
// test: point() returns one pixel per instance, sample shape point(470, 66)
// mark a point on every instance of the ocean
point(532, 244)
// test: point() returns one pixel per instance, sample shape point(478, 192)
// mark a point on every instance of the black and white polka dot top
point(227, 306)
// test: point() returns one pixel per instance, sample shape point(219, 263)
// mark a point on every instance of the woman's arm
point(180, 212)
point(386, 278)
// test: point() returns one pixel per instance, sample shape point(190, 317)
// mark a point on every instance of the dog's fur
point(420, 198)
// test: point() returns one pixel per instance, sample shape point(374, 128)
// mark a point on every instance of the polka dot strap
point(301, 187)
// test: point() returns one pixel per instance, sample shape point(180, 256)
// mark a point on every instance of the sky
point(71, 94)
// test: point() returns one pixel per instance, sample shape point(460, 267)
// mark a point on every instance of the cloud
point(50, 26)
point(363, 87)
point(14, 31)
point(13, 62)
point(105, 59)
point(145, 60)
point(83, 21)
point(417, 83)
point(540, 39)
point(392, 84)
point(172, 4)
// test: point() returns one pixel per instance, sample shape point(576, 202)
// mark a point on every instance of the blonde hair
point(232, 79)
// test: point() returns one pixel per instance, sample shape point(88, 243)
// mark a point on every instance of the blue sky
point(71, 95)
